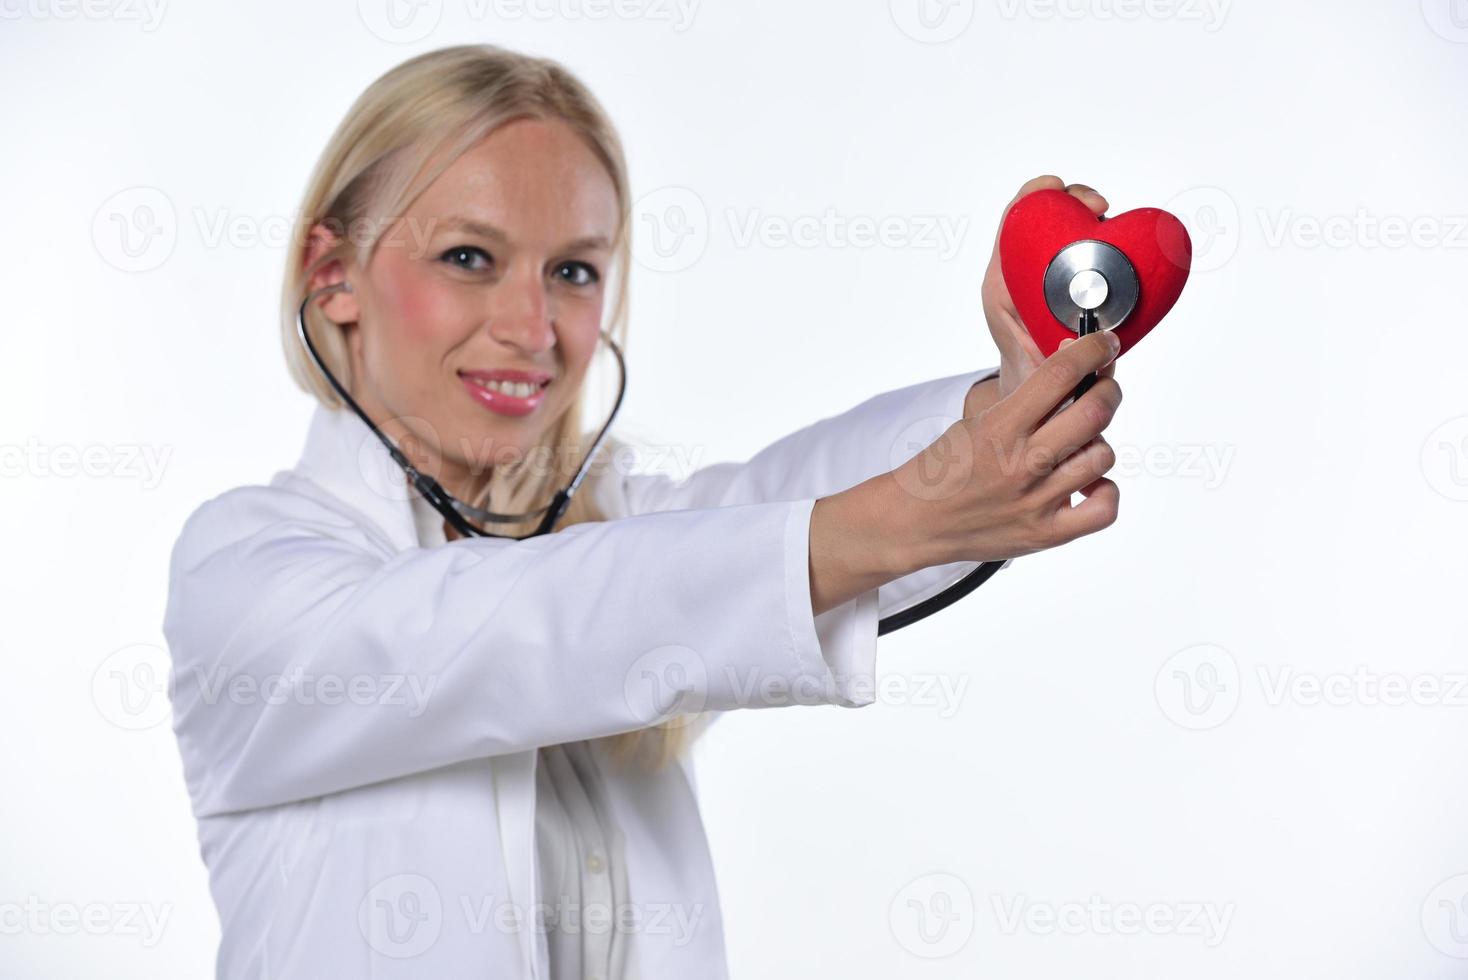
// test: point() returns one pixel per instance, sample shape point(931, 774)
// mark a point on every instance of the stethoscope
point(455, 511)
point(1089, 286)
point(1094, 285)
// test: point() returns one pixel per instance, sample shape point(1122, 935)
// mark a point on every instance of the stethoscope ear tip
point(336, 287)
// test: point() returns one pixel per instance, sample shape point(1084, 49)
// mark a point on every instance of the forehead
point(531, 178)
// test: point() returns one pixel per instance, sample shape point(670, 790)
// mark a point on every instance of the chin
point(497, 445)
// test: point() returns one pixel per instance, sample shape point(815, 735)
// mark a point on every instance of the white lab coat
point(353, 828)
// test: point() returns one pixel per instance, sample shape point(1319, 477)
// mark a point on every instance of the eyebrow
point(494, 234)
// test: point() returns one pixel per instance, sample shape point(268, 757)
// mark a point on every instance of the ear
point(328, 269)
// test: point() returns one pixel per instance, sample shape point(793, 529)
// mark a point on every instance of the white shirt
point(359, 718)
point(582, 866)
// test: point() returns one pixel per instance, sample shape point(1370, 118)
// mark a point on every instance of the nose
point(520, 313)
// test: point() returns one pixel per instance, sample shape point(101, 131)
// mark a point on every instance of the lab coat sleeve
point(830, 455)
point(308, 657)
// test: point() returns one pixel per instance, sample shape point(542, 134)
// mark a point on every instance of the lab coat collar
point(343, 457)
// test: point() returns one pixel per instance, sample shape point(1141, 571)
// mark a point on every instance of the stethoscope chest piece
point(1091, 277)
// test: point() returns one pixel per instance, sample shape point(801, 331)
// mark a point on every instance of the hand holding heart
point(1044, 217)
point(1019, 355)
point(998, 483)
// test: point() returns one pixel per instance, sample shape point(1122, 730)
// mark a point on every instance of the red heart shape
point(1041, 223)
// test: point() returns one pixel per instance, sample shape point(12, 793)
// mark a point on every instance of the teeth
point(519, 389)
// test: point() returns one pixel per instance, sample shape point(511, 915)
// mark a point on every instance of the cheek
point(419, 320)
point(421, 313)
point(579, 338)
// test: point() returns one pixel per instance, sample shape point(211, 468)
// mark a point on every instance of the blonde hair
point(403, 131)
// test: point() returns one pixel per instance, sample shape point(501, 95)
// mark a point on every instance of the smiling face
point(472, 326)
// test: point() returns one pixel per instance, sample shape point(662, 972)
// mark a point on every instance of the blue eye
point(578, 273)
point(463, 256)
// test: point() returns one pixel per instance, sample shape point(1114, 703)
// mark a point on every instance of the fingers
point(1046, 182)
point(1079, 471)
point(1109, 371)
point(1024, 411)
point(1049, 182)
point(1085, 193)
point(1088, 196)
point(1077, 424)
point(1099, 510)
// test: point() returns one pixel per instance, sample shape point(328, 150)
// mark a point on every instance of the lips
point(502, 402)
point(538, 378)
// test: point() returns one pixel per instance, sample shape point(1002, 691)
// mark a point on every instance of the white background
point(1294, 450)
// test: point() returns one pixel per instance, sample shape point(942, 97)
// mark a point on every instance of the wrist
point(893, 534)
point(858, 543)
point(981, 395)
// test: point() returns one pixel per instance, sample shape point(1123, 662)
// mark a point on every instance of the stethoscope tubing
point(453, 510)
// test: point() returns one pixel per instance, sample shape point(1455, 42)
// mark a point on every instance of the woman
point(412, 754)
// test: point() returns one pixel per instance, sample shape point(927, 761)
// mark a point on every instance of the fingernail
point(1114, 340)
